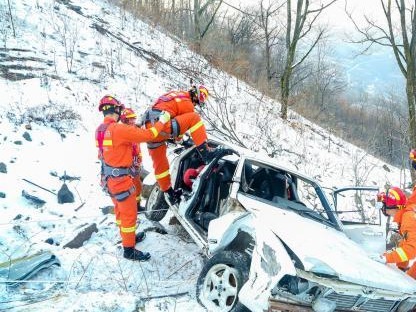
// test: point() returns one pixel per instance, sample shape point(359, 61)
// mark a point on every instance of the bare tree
point(203, 18)
point(68, 36)
point(299, 28)
point(267, 22)
point(326, 79)
point(11, 17)
point(221, 117)
point(399, 35)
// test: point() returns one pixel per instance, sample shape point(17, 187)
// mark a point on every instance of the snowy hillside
point(65, 57)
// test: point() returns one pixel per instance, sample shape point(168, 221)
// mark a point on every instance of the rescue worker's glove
point(164, 117)
point(412, 157)
point(379, 258)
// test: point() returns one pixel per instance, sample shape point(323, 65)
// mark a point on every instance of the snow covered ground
point(116, 54)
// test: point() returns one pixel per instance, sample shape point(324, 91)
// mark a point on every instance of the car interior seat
point(216, 190)
point(227, 173)
point(260, 184)
point(210, 197)
point(280, 187)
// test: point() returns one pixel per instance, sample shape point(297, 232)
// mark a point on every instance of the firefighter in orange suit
point(115, 145)
point(396, 205)
point(181, 107)
point(128, 116)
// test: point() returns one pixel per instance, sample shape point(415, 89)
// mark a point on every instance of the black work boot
point(173, 196)
point(140, 236)
point(207, 153)
point(136, 255)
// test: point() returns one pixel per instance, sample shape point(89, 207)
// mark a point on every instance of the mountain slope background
point(64, 57)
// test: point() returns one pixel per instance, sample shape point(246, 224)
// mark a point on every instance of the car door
point(362, 221)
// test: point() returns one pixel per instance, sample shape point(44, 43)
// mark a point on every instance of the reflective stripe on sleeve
point(196, 126)
point(155, 133)
point(402, 254)
point(105, 143)
point(162, 175)
point(128, 229)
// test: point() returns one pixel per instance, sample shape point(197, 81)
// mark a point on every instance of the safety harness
point(137, 164)
point(108, 171)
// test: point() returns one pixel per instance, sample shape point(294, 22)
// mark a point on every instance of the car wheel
point(156, 206)
point(221, 279)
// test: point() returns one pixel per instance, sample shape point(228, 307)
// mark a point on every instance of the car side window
point(265, 182)
point(309, 198)
point(284, 190)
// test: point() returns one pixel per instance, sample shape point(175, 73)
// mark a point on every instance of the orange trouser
point(189, 121)
point(138, 184)
point(126, 210)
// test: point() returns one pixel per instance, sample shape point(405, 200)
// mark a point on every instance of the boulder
point(65, 195)
point(107, 209)
point(27, 136)
point(3, 167)
point(82, 236)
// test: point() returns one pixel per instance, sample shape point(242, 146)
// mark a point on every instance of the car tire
point(212, 282)
point(156, 206)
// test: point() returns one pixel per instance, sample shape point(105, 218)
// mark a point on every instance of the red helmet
point(200, 94)
point(127, 114)
point(109, 100)
point(395, 198)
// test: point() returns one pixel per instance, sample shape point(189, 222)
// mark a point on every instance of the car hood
point(324, 250)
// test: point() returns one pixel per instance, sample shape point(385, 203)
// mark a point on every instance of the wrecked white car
point(275, 242)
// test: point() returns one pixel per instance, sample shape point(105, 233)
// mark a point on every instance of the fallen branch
point(164, 296)
point(178, 268)
point(41, 187)
point(80, 206)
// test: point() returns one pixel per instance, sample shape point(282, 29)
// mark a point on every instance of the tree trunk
point(197, 36)
point(268, 66)
point(11, 18)
point(284, 92)
point(411, 98)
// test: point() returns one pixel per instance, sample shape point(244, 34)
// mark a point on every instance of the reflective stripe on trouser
point(126, 213)
point(189, 121)
point(193, 123)
point(161, 166)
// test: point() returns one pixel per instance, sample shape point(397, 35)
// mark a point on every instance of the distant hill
point(373, 72)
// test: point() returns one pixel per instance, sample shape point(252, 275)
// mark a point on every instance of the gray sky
point(335, 14)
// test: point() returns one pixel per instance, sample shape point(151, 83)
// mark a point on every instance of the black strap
point(176, 129)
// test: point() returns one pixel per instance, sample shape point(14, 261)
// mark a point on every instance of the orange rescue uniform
point(117, 151)
point(406, 219)
point(182, 111)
